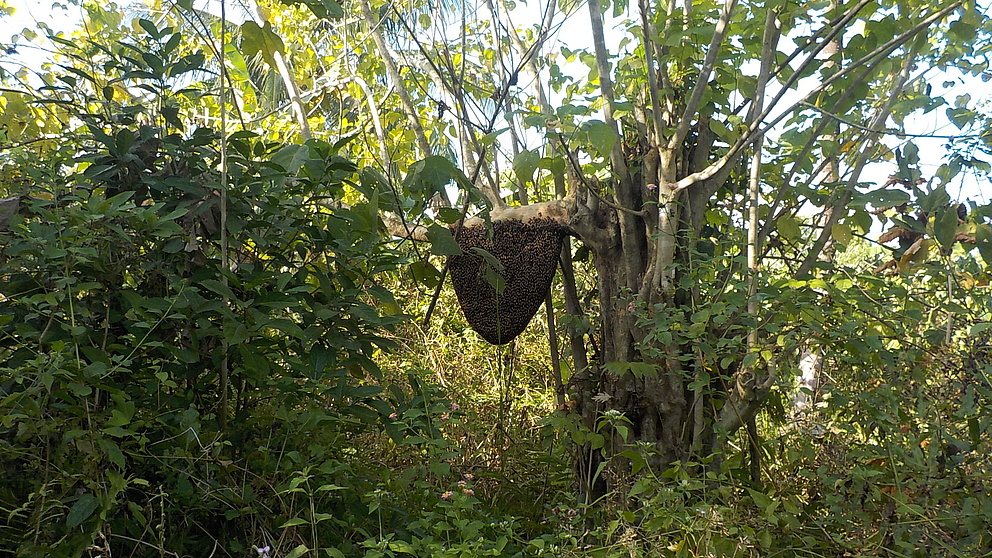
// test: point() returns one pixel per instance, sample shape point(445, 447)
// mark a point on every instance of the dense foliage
point(211, 345)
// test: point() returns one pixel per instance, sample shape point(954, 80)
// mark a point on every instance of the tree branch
point(755, 129)
point(394, 76)
point(702, 82)
point(879, 122)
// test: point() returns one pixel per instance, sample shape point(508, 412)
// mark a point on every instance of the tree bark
point(410, 110)
point(292, 90)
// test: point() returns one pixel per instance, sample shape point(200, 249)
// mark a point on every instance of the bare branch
point(756, 129)
point(394, 76)
point(702, 82)
point(877, 124)
point(289, 82)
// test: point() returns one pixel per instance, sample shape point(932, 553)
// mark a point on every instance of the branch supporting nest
point(560, 212)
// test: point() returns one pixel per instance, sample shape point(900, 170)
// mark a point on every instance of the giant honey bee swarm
point(529, 255)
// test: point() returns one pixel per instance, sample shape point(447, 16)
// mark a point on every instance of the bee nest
point(528, 252)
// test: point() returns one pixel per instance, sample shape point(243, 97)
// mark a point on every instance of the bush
point(167, 382)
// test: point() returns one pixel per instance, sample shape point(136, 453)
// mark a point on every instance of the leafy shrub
point(160, 384)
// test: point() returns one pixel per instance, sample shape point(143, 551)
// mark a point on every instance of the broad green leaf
point(376, 187)
point(435, 174)
point(525, 164)
point(490, 259)
point(425, 273)
point(622, 430)
point(495, 280)
point(640, 485)
point(149, 27)
point(911, 153)
point(934, 201)
point(81, 510)
point(788, 227)
point(219, 288)
point(171, 115)
point(261, 40)
point(449, 215)
point(442, 241)
point(113, 452)
point(885, 197)
point(979, 327)
point(983, 240)
point(323, 9)
point(554, 164)
point(841, 233)
point(440, 468)
point(760, 499)
point(402, 546)
point(910, 224)
point(945, 226)
point(292, 156)
point(602, 137)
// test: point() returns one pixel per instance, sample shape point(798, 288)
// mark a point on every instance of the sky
point(63, 16)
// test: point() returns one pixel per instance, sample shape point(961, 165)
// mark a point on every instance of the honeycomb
point(529, 254)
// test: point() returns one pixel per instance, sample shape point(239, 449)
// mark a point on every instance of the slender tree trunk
point(811, 361)
point(410, 110)
point(295, 100)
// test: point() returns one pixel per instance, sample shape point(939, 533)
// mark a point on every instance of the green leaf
point(788, 227)
point(622, 430)
point(979, 327)
point(435, 174)
point(911, 153)
point(294, 522)
point(449, 215)
point(440, 468)
point(292, 156)
point(556, 165)
point(261, 40)
point(885, 197)
point(525, 164)
point(983, 240)
point(842, 233)
point(425, 273)
point(602, 137)
point(114, 453)
point(219, 288)
point(402, 546)
point(81, 510)
point(760, 499)
point(640, 485)
point(375, 186)
point(171, 115)
point(298, 551)
point(945, 226)
point(149, 27)
point(495, 280)
point(934, 201)
point(442, 241)
point(323, 9)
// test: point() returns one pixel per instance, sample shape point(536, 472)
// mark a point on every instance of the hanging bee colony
point(528, 253)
